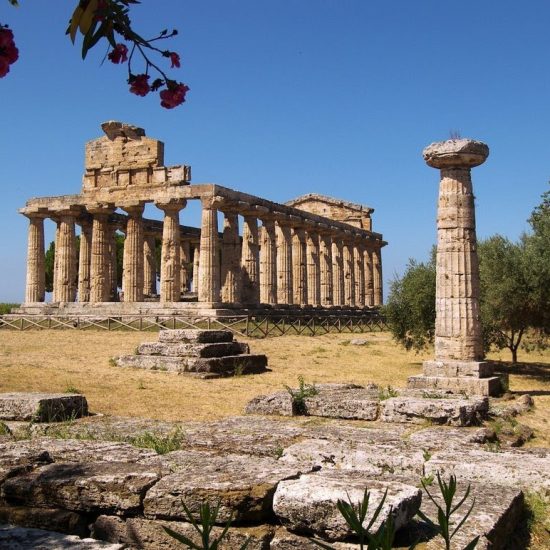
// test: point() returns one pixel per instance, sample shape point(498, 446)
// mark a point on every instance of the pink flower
point(175, 59)
point(11, 53)
point(4, 66)
point(8, 52)
point(174, 95)
point(6, 37)
point(139, 85)
point(119, 54)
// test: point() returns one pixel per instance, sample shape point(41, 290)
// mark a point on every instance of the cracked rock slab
point(107, 487)
point(285, 540)
point(243, 485)
point(308, 505)
point(195, 336)
point(42, 407)
point(218, 349)
point(17, 458)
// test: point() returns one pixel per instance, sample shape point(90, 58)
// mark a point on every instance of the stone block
point(308, 504)
point(42, 407)
point(153, 362)
point(472, 386)
point(453, 369)
point(195, 336)
point(17, 458)
point(356, 404)
point(285, 540)
point(450, 412)
point(101, 487)
point(149, 534)
point(279, 403)
point(436, 437)
point(229, 365)
point(243, 485)
point(193, 350)
point(22, 538)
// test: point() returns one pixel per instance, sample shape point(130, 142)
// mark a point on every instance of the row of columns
point(283, 262)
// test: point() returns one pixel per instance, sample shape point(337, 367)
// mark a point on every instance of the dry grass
point(54, 361)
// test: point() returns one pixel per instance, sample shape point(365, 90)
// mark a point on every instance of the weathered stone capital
point(215, 203)
point(134, 210)
point(456, 153)
point(100, 209)
point(171, 205)
point(65, 214)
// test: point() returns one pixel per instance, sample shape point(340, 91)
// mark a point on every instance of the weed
point(299, 396)
point(112, 362)
point(319, 349)
point(386, 393)
point(69, 388)
point(426, 455)
point(538, 505)
point(432, 395)
point(162, 444)
point(239, 370)
point(141, 385)
point(279, 450)
point(345, 343)
point(493, 446)
point(4, 430)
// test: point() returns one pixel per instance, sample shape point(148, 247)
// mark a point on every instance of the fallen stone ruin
point(199, 353)
point(278, 477)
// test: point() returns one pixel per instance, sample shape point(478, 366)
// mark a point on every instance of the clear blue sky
point(295, 96)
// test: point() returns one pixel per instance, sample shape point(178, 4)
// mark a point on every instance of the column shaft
point(268, 264)
point(299, 266)
point(85, 261)
point(325, 254)
point(170, 263)
point(313, 271)
point(338, 273)
point(349, 276)
point(36, 274)
point(231, 259)
point(149, 266)
point(133, 256)
point(284, 264)
point(185, 258)
point(369, 277)
point(377, 276)
point(250, 262)
point(65, 261)
point(196, 267)
point(359, 274)
point(209, 259)
point(99, 272)
point(113, 264)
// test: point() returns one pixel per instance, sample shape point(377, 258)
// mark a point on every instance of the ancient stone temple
point(314, 251)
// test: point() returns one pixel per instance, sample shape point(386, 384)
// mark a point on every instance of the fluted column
point(250, 262)
point(36, 274)
point(133, 255)
point(313, 271)
point(231, 259)
point(209, 259)
point(349, 275)
point(65, 259)
point(359, 273)
point(113, 263)
point(149, 265)
point(196, 267)
point(369, 276)
point(170, 263)
point(299, 266)
point(338, 272)
point(100, 289)
point(268, 263)
point(185, 259)
point(377, 276)
point(325, 259)
point(85, 260)
point(284, 263)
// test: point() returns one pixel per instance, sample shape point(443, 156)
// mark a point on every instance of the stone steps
point(467, 384)
point(200, 353)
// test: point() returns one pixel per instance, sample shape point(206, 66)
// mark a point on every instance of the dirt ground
point(61, 361)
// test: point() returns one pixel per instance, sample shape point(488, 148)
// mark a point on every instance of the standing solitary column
point(369, 277)
point(99, 271)
point(133, 255)
point(325, 253)
point(349, 275)
point(36, 274)
point(377, 276)
point(268, 263)
point(231, 259)
point(65, 259)
point(250, 262)
point(170, 263)
point(338, 272)
point(359, 273)
point(185, 259)
point(149, 265)
point(284, 263)
point(209, 259)
point(84, 260)
point(299, 266)
point(313, 272)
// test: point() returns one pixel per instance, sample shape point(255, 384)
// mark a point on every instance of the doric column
point(209, 258)
point(133, 255)
point(377, 276)
point(359, 272)
point(313, 271)
point(325, 259)
point(185, 259)
point(299, 266)
point(170, 263)
point(196, 266)
point(149, 265)
point(36, 274)
point(284, 262)
point(338, 272)
point(65, 258)
point(84, 260)
point(113, 263)
point(100, 289)
point(349, 275)
point(250, 262)
point(268, 263)
point(231, 259)
point(369, 276)
point(457, 327)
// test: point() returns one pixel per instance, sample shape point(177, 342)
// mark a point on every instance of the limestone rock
point(279, 403)
point(42, 407)
point(308, 504)
point(521, 405)
point(16, 459)
point(195, 336)
point(450, 412)
point(285, 540)
point(435, 438)
point(218, 349)
point(149, 534)
point(243, 485)
point(456, 152)
point(352, 403)
point(359, 342)
point(229, 365)
point(21, 538)
point(107, 487)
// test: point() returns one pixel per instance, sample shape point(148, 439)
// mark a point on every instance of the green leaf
point(471, 545)
point(181, 538)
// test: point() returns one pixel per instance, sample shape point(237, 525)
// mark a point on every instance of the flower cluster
point(8, 52)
